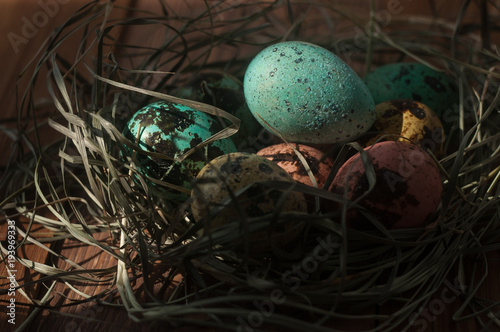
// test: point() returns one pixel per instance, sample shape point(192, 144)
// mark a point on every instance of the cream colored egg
point(241, 175)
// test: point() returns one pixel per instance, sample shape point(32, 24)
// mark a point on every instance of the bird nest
point(79, 184)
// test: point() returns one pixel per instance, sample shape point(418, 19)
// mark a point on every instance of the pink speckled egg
point(284, 156)
point(407, 189)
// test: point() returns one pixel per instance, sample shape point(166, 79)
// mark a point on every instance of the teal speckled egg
point(307, 94)
point(225, 92)
point(173, 129)
point(416, 81)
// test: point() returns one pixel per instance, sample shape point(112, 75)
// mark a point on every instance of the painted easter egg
point(225, 92)
point(404, 119)
point(415, 81)
point(173, 130)
point(285, 156)
point(407, 189)
point(233, 183)
point(307, 94)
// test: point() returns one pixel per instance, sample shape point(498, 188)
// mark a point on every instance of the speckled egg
point(284, 156)
point(225, 92)
point(240, 171)
point(173, 129)
point(401, 119)
point(215, 88)
point(407, 190)
point(307, 94)
point(415, 81)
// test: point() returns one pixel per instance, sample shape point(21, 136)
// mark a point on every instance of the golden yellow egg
point(405, 119)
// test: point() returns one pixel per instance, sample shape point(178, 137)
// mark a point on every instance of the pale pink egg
point(407, 190)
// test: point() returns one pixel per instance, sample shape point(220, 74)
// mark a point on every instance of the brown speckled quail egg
point(239, 174)
point(405, 119)
point(407, 189)
point(284, 156)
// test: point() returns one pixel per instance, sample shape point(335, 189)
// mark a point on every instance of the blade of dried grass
point(122, 279)
point(34, 313)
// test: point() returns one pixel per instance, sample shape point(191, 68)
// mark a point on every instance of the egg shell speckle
point(232, 173)
point(173, 129)
point(401, 119)
point(408, 185)
point(307, 94)
point(415, 81)
point(284, 156)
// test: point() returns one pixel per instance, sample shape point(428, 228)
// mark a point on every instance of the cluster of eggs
point(308, 97)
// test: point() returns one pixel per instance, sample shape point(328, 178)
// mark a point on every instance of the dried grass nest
point(202, 281)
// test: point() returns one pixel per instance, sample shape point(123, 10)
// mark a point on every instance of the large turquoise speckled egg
point(416, 81)
point(307, 94)
point(173, 129)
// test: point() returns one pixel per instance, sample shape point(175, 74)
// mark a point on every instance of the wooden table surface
point(22, 40)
